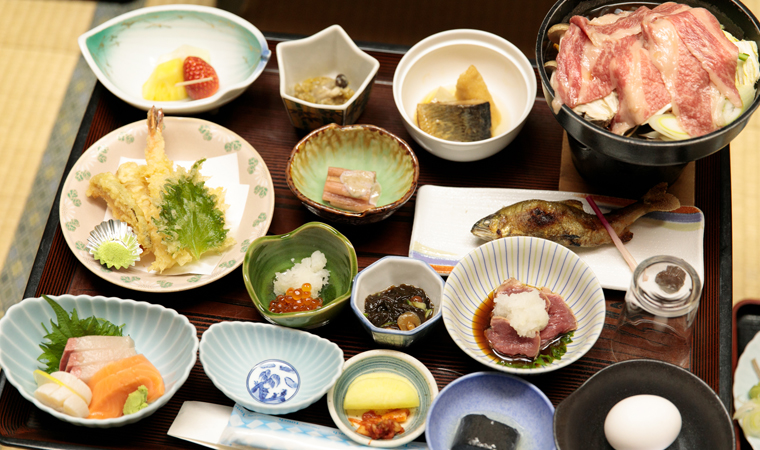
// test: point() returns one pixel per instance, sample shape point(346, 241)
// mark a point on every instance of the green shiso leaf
point(68, 327)
point(189, 217)
point(556, 351)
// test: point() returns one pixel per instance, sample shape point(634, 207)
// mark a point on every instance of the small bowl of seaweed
point(496, 408)
point(407, 275)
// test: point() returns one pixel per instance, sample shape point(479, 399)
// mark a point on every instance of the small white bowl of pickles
point(388, 385)
point(429, 74)
point(383, 299)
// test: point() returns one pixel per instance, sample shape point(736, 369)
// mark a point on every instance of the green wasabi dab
point(136, 401)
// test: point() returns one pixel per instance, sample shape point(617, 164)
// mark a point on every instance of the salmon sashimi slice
point(112, 385)
point(116, 366)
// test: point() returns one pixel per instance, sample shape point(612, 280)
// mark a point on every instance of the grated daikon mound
point(310, 270)
point(525, 311)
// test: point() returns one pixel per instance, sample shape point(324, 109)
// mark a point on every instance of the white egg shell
point(642, 422)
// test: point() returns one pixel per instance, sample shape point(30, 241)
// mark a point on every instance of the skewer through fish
point(567, 223)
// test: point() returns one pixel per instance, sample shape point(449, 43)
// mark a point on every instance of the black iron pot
point(628, 165)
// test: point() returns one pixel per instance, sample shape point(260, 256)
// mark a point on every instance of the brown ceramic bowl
point(354, 147)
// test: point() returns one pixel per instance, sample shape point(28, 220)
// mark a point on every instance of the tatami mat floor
point(43, 91)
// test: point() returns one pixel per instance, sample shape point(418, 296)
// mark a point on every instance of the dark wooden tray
point(532, 161)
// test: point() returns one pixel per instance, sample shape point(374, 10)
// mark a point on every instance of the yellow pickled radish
point(161, 85)
point(380, 391)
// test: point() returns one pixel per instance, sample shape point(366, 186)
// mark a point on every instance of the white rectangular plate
point(443, 218)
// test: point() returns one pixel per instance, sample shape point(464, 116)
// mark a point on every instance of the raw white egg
point(642, 422)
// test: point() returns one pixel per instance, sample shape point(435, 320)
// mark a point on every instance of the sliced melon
point(380, 391)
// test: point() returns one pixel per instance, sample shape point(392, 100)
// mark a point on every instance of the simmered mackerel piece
point(477, 432)
point(464, 121)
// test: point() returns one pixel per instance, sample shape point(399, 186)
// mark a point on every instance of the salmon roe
point(295, 300)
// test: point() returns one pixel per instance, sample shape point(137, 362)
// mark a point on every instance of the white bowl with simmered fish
point(534, 262)
point(438, 61)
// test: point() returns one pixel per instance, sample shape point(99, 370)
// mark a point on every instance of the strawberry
point(195, 68)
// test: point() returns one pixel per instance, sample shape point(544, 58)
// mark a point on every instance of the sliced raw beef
point(641, 91)
point(611, 28)
point(505, 340)
point(582, 74)
point(686, 80)
point(700, 31)
point(672, 54)
point(561, 318)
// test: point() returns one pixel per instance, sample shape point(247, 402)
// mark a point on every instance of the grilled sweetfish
point(566, 223)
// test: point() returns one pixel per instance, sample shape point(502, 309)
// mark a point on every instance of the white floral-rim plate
point(187, 139)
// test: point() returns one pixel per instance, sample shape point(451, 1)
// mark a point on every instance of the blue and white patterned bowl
point(124, 51)
point(384, 361)
point(393, 271)
point(268, 368)
point(501, 397)
point(533, 261)
point(165, 337)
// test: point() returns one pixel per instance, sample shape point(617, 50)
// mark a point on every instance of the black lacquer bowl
point(628, 165)
point(579, 419)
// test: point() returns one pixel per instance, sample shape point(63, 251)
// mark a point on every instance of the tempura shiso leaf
point(191, 216)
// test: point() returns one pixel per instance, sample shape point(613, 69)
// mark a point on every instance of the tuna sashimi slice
point(112, 385)
point(93, 343)
point(505, 340)
point(561, 318)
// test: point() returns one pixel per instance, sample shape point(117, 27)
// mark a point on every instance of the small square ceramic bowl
point(393, 271)
point(390, 361)
point(269, 369)
point(325, 54)
point(503, 398)
point(269, 255)
point(438, 60)
point(124, 51)
point(353, 147)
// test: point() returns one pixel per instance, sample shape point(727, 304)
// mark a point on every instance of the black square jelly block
point(478, 432)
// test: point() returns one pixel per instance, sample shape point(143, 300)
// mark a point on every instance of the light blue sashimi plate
point(443, 218)
point(166, 338)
